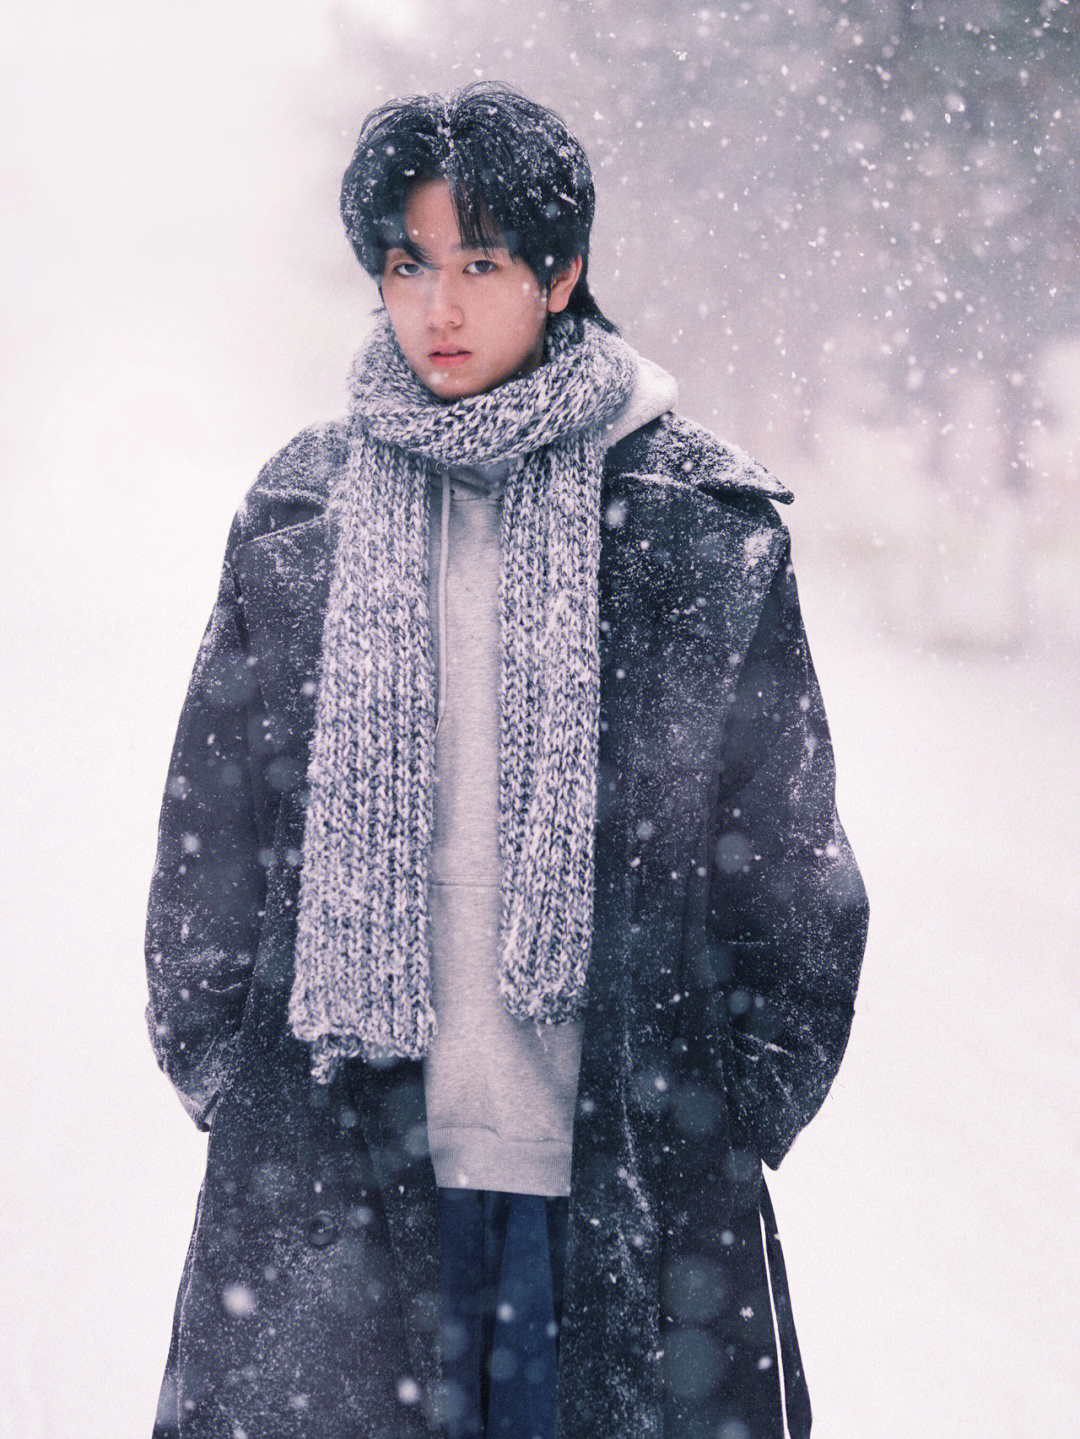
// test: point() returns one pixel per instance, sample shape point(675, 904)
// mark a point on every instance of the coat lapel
point(672, 562)
point(284, 579)
point(682, 583)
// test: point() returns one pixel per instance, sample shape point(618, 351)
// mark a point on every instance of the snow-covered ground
point(927, 1215)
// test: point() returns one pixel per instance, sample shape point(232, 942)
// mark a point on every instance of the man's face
point(466, 320)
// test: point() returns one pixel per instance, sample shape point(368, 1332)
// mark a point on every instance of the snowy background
point(850, 230)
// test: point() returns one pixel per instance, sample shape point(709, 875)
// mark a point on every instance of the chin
point(446, 389)
point(452, 387)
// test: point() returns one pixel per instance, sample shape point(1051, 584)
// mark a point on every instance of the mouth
point(448, 358)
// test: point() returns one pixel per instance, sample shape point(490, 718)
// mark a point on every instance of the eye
point(489, 263)
point(406, 268)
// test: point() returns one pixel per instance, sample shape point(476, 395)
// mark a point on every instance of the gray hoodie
point(500, 1092)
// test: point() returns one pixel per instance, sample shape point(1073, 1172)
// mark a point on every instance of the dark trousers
point(503, 1258)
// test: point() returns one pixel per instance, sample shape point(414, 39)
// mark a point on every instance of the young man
point(502, 922)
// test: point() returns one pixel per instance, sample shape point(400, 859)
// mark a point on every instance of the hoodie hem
point(474, 1158)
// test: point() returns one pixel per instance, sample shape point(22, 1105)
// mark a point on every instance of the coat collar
point(688, 526)
point(675, 450)
point(669, 449)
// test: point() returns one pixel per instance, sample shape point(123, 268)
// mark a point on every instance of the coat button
point(322, 1229)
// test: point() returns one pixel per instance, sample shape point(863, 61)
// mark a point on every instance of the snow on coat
point(729, 931)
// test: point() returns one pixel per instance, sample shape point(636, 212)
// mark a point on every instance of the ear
point(562, 286)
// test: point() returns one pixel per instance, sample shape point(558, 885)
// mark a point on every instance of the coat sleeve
point(788, 911)
point(209, 878)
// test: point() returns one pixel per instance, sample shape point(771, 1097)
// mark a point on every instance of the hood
point(654, 392)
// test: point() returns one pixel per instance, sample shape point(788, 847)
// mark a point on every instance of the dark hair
point(509, 162)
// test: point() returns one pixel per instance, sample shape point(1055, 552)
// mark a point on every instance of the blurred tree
point(965, 172)
point(960, 181)
point(863, 208)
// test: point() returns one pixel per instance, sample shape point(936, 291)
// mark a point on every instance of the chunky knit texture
point(362, 981)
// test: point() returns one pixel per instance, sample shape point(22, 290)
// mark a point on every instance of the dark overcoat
point(730, 923)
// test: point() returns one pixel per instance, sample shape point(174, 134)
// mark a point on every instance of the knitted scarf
point(362, 972)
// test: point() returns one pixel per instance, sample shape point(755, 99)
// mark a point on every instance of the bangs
point(518, 179)
point(477, 226)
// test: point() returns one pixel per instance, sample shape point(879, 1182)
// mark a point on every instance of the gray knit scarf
point(362, 979)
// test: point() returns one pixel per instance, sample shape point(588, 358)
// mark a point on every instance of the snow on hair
point(515, 172)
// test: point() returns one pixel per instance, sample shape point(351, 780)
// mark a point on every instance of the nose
point(443, 309)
